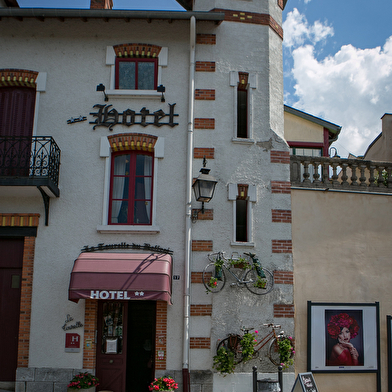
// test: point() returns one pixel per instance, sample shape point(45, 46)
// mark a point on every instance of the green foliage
point(286, 351)
point(83, 381)
point(247, 343)
point(241, 262)
point(224, 361)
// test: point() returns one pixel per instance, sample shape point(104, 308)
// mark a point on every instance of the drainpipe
point(188, 210)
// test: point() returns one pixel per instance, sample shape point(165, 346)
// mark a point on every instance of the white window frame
point(252, 85)
point(122, 93)
point(106, 154)
point(232, 194)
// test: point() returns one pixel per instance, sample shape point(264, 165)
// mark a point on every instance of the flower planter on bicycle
point(247, 271)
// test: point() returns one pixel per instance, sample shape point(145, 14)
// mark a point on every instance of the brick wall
point(280, 157)
point(201, 152)
point(90, 326)
point(204, 123)
point(202, 246)
point(205, 94)
point(283, 277)
point(204, 343)
point(282, 246)
point(206, 39)
point(205, 66)
point(284, 310)
point(161, 334)
point(281, 187)
point(201, 310)
point(281, 216)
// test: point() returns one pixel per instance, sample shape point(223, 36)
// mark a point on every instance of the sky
point(337, 60)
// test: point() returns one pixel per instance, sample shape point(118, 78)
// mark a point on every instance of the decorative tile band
point(137, 50)
point(19, 220)
point(132, 141)
point(18, 77)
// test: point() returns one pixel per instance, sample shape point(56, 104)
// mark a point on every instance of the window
point(131, 188)
point(242, 106)
point(136, 74)
point(243, 196)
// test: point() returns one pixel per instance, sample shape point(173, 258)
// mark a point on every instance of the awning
point(121, 276)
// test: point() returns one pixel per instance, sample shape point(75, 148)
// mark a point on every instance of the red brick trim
point(283, 277)
point(202, 245)
point(90, 326)
point(280, 4)
point(18, 77)
point(137, 50)
point(196, 277)
point(200, 343)
point(280, 157)
point(204, 123)
point(132, 141)
point(201, 152)
point(281, 216)
point(251, 17)
point(281, 187)
point(206, 39)
point(205, 66)
point(25, 302)
point(206, 215)
point(205, 94)
point(19, 220)
point(282, 246)
point(161, 334)
point(285, 311)
point(201, 310)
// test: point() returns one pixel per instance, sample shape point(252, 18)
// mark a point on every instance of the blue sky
point(337, 60)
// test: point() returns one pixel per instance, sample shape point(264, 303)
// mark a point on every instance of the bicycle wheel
point(258, 285)
point(232, 343)
point(214, 280)
point(273, 352)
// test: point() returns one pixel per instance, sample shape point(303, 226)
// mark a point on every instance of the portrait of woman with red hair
point(341, 329)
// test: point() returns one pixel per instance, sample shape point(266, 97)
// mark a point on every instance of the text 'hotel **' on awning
point(121, 276)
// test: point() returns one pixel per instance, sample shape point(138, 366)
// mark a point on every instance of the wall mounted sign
point(125, 246)
point(67, 327)
point(72, 343)
point(106, 117)
point(76, 119)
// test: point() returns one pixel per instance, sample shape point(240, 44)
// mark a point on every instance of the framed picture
point(343, 337)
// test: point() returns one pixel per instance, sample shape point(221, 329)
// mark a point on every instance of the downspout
point(188, 210)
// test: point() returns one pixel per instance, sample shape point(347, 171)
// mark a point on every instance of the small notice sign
point(305, 383)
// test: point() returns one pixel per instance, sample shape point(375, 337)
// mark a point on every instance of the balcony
point(339, 174)
point(30, 162)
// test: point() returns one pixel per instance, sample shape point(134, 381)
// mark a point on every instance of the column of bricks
point(196, 277)
point(205, 66)
point(90, 326)
point(201, 152)
point(280, 157)
point(201, 310)
point(206, 39)
point(206, 215)
point(204, 343)
point(283, 277)
point(161, 334)
point(25, 302)
point(202, 245)
point(205, 94)
point(283, 187)
point(204, 123)
point(284, 310)
point(281, 216)
point(282, 246)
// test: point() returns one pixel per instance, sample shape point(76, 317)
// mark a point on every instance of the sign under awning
point(121, 276)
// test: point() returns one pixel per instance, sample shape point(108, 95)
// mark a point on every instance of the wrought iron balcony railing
point(341, 174)
point(29, 161)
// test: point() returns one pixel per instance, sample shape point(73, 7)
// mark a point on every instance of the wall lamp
point(204, 188)
point(161, 89)
point(101, 87)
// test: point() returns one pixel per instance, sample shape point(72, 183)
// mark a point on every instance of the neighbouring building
point(106, 118)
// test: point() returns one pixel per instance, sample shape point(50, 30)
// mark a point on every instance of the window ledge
point(242, 140)
point(133, 93)
point(107, 229)
point(250, 244)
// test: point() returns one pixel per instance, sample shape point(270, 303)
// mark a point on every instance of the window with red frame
point(136, 74)
point(131, 188)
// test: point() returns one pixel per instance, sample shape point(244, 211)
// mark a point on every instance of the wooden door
point(112, 345)
point(11, 261)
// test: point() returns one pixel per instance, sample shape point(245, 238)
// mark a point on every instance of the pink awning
point(121, 276)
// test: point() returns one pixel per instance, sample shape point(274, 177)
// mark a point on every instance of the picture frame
point(329, 348)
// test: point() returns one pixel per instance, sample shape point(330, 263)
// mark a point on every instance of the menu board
point(305, 383)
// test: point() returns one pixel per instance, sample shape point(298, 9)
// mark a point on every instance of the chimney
point(387, 136)
point(101, 4)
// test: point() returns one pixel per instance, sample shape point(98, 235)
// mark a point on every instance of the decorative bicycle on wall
point(246, 270)
point(237, 348)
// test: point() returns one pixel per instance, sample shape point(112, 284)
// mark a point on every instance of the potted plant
point(261, 283)
point(286, 351)
point(248, 342)
point(85, 381)
point(165, 383)
point(241, 262)
point(224, 361)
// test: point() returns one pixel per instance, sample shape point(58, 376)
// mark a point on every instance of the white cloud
point(352, 88)
point(297, 30)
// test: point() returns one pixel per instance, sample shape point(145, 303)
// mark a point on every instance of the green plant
point(165, 383)
point(260, 282)
point(247, 343)
point(240, 263)
point(83, 381)
point(286, 351)
point(224, 361)
point(213, 281)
